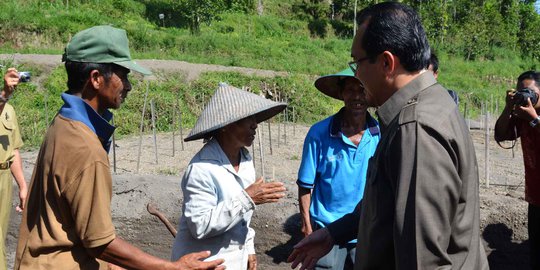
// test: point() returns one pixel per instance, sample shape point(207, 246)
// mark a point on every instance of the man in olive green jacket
point(421, 204)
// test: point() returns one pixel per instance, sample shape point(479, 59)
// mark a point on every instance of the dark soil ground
point(503, 210)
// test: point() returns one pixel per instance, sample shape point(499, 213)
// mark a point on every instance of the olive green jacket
point(421, 202)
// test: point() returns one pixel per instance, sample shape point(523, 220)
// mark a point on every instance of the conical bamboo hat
point(230, 104)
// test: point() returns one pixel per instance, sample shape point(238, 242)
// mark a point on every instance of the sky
point(537, 5)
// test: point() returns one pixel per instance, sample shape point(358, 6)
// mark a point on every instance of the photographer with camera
point(520, 119)
point(10, 159)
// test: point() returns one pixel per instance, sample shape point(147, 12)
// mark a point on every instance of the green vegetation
point(36, 107)
point(482, 46)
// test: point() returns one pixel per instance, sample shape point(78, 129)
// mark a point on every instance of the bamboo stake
point(285, 118)
point(482, 110)
point(270, 137)
point(278, 129)
point(261, 154)
point(174, 126)
point(491, 104)
point(486, 149)
point(181, 129)
point(141, 127)
point(294, 122)
point(154, 128)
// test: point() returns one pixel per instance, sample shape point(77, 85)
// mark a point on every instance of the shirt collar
point(215, 152)
point(389, 110)
point(335, 124)
point(75, 108)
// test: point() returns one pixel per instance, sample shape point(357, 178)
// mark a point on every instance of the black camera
point(24, 76)
point(521, 96)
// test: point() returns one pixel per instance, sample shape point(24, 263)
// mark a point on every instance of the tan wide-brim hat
point(230, 104)
point(330, 85)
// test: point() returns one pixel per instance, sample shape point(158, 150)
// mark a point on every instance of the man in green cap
point(332, 173)
point(67, 222)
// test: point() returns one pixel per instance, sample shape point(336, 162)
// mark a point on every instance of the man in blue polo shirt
point(335, 158)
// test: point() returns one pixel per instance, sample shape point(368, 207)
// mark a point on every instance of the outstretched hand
point(308, 251)
point(193, 261)
point(262, 192)
point(11, 79)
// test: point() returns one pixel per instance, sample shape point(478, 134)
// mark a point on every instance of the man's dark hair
point(78, 73)
point(396, 28)
point(434, 62)
point(530, 75)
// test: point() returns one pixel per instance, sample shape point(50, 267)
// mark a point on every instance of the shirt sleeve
point(89, 198)
point(427, 191)
point(310, 158)
point(205, 217)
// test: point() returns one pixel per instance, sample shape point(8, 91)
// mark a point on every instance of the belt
point(5, 165)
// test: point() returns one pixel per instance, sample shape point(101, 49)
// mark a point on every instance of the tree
point(316, 12)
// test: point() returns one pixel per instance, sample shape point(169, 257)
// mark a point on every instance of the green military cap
point(102, 44)
point(330, 84)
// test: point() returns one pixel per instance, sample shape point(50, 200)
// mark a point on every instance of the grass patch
point(37, 105)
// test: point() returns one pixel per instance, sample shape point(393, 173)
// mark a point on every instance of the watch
point(535, 121)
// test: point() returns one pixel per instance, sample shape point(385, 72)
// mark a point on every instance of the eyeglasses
point(354, 64)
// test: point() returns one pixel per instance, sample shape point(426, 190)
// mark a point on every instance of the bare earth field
point(503, 210)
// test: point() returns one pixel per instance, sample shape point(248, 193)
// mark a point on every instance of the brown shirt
point(68, 208)
point(421, 203)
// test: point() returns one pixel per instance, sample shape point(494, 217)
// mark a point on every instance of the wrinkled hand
point(308, 251)
point(11, 79)
point(193, 261)
point(22, 197)
point(262, 192)
point(252, 262)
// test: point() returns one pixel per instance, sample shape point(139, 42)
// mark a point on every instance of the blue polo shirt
point(75, 108)
point(335, 168)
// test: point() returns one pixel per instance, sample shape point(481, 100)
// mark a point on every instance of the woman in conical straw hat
point(219, 186)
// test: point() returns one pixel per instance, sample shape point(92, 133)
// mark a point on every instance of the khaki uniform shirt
point(421, 204)
point(68, 208)
point(10, 135)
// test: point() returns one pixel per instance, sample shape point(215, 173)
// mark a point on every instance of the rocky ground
point(503, 210)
